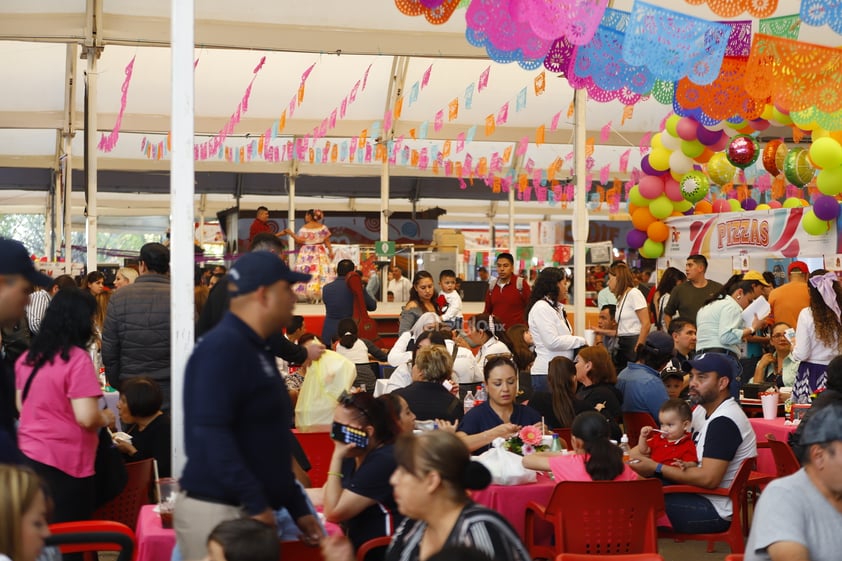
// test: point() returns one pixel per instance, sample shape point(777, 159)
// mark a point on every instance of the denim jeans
point(693, 514)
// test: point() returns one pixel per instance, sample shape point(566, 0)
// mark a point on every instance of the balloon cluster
point(826, 154)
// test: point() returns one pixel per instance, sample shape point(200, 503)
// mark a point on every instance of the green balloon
point(651, 249)
point(661, 207)
point(829, 181)
point(735, 205)
point(692, 148)
point(682, 206)
point(636, 198)
point(671, 125)
point(813, 225)
point(792, 202)
point(694, 186)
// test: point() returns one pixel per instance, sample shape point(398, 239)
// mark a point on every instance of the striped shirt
point(35, 310)
point(477, 527)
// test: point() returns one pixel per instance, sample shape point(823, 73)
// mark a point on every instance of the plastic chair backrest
point(786, 463)
point(299, 551)
point(629, 557)
point(94, 536)
point(372, 544)
point(734, 557)
point(607, 517)
point(319, 448)
point(125, 507)
point(634, 421)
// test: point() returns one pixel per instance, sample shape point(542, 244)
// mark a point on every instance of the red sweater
point(507, 303)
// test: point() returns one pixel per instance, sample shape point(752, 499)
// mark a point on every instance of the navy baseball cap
point(15, 260)
point(712, 362)
point(260, 268)
point(660, 342)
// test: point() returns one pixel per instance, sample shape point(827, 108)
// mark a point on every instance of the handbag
point(110, 477)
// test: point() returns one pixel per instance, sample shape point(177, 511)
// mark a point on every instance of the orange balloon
point(703, 207)
point(658, 231)
point(676, 213)
point(705, 156)
point(642, 218)
point(632, 207)
point(746, 130)
point(837, 136)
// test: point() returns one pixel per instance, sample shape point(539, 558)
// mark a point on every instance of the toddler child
point(673, 444)
point(449, 300)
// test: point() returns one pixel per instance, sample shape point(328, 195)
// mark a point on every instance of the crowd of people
point(684, 339)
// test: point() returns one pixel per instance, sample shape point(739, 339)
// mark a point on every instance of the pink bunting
point(644, 143)
point(460, 142)
point(109, 141)
point(603, 173)
point(503, 114)
point(522, 145)
point(624, 161)
point(483, 79)
point(426, 78)
point(439, 120)
point(554, 122)
point(605, 132)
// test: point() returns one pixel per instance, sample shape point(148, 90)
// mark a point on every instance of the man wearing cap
point(756, 342)
point(688, 297)
point(640, 382)
point(237, 413)
point(17, 278)
point(724, 439)
point(788, 300)
point(799, 516)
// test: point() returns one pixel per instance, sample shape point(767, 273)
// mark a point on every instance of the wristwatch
point(659, 470)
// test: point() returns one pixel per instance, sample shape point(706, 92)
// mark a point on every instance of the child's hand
point(645, 432)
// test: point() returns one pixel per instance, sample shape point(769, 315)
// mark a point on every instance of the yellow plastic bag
point(324, 382)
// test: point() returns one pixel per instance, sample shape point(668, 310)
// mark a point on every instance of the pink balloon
point(721, 205)
point(686, 128)
point(759, 124)
point(775, 204)
point(673, 189)
point(651, 187)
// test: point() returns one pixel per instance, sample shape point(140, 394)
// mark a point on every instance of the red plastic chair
point(565, 435)
point(634, 421)
point(319, 448)
point(125, 507)
point(299, 551)
point(786, 463)
point(376, 543)
point(733, 536)
point(598, 518)
point(630, 557)
point(92, 536)
point(734, 557)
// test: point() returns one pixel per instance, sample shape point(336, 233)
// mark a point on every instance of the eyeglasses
point(778, 335)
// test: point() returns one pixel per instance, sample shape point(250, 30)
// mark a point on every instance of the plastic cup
point(167, 491)
point(590, 337)
point(769, 402)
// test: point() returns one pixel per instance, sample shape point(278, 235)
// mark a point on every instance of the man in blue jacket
point(640, 382)
point(237, 413)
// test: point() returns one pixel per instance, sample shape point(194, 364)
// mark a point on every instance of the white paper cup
point(590, 337)
point(770, 405)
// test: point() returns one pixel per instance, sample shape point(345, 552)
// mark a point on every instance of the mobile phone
point(349, 435)
point(790, 335)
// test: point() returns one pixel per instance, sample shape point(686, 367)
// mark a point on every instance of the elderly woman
point(817, 335)
point(548, 324)
point(24, 514)
point(357, 492)
point(57, 394)
point(140, 408)
point(426, 395)
point(500, 415)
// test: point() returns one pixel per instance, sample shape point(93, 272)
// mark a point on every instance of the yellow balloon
point(767, 111)
point(656, 142)
point(659, 159)
point(762, 206)
point(720, 169)
point(819, 132)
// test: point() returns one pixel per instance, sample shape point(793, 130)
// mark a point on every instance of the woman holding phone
point(357, 493)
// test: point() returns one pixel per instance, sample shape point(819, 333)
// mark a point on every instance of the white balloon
point(670, 142)
point(680, 164)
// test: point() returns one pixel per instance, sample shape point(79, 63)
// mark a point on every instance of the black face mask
point(349, 435)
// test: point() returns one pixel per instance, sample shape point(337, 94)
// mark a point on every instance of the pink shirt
point(571, 467)
point(48, 430)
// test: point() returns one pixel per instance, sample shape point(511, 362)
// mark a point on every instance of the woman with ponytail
point(430, 485)
point(594, 458)
point(817, 335)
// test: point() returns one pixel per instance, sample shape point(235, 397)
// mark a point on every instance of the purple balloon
point(749, 204)
point(826, 207)
point(646, 167)
point(708, 137)
point(636, 238)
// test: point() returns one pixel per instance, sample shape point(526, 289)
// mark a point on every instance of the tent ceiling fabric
point(231, 38)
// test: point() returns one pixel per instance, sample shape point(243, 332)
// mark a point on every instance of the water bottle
point(556, 444)
point(624, 446)
point(469, 401)
point(479, 397)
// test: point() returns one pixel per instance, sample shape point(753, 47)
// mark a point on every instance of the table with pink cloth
point(776, 427)
point(511, 500)
point(155, 543)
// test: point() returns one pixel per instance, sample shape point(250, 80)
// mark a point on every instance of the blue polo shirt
point(642, 389)
point(483, 418)
point(237, 415)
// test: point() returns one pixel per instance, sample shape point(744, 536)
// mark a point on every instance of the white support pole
point(68, 206)
point(580, 214)
point(384, 225)
point(291, 219)
point(91, 172)
point(181, 210)
point(512, 248)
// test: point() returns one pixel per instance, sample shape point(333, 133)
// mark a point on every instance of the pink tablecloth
point(511, 501)
point(762, 427)
point(155, 543)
